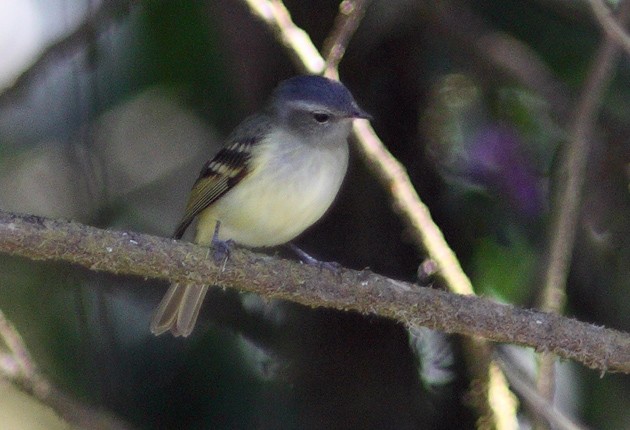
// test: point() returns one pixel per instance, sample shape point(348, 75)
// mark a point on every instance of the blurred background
point(108, 110)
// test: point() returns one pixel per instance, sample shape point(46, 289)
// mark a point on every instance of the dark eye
point(321, 117)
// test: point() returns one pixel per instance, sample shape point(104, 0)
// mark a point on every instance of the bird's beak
point(360, 113)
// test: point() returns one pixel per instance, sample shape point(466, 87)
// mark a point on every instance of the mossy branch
point(128, 253)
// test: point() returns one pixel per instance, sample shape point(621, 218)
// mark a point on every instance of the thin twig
point(351, 13)
point(568, 198)
point(427, 234)
point(540, 405)
point(609, 24)
point(406, 200)
point(134, 254)
point(385, 165)
point(18, 367)
point(298, 43)
point(20, 358)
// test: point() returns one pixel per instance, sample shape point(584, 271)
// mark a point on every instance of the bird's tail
point(179, 309)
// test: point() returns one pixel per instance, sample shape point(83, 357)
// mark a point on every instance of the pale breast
point(281, 197)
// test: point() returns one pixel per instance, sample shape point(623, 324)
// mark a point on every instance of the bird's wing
point(223, 172)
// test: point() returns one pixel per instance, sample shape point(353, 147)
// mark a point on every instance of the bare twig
point(568, 198)
point(502, 402)
point(395, 179)
point(298, 43)
point(609, 24)
point(522, 385)
point(489, 392)
point(18, 361)
point(351, 13)
point(18, 367)
point(426, 233)
point(385, 165)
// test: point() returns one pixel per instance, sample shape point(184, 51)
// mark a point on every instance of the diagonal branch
point(568, 198)
point(609, 24)
point(491, 387)
point(393, 176)
point(298, 43)
point(127, 253)
point(17, 366)
point(351, 13)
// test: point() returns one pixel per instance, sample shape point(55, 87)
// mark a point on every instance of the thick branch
point(127, 253)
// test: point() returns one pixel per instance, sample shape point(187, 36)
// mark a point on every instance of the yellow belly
point(273, 205)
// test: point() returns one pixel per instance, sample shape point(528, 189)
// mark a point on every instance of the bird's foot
point(312, 261)
point(221, 248)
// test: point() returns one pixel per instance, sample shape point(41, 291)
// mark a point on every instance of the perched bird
point(277, 174)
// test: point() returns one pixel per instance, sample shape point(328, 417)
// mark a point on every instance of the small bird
point(277, 174)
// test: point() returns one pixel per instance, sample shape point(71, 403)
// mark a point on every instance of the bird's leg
point(221, 247)
point(312, 261)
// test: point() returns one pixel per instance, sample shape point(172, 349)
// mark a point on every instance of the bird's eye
point(321, 117)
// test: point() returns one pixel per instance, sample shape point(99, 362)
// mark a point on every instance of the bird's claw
point(222, 249)
point(312, 261)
